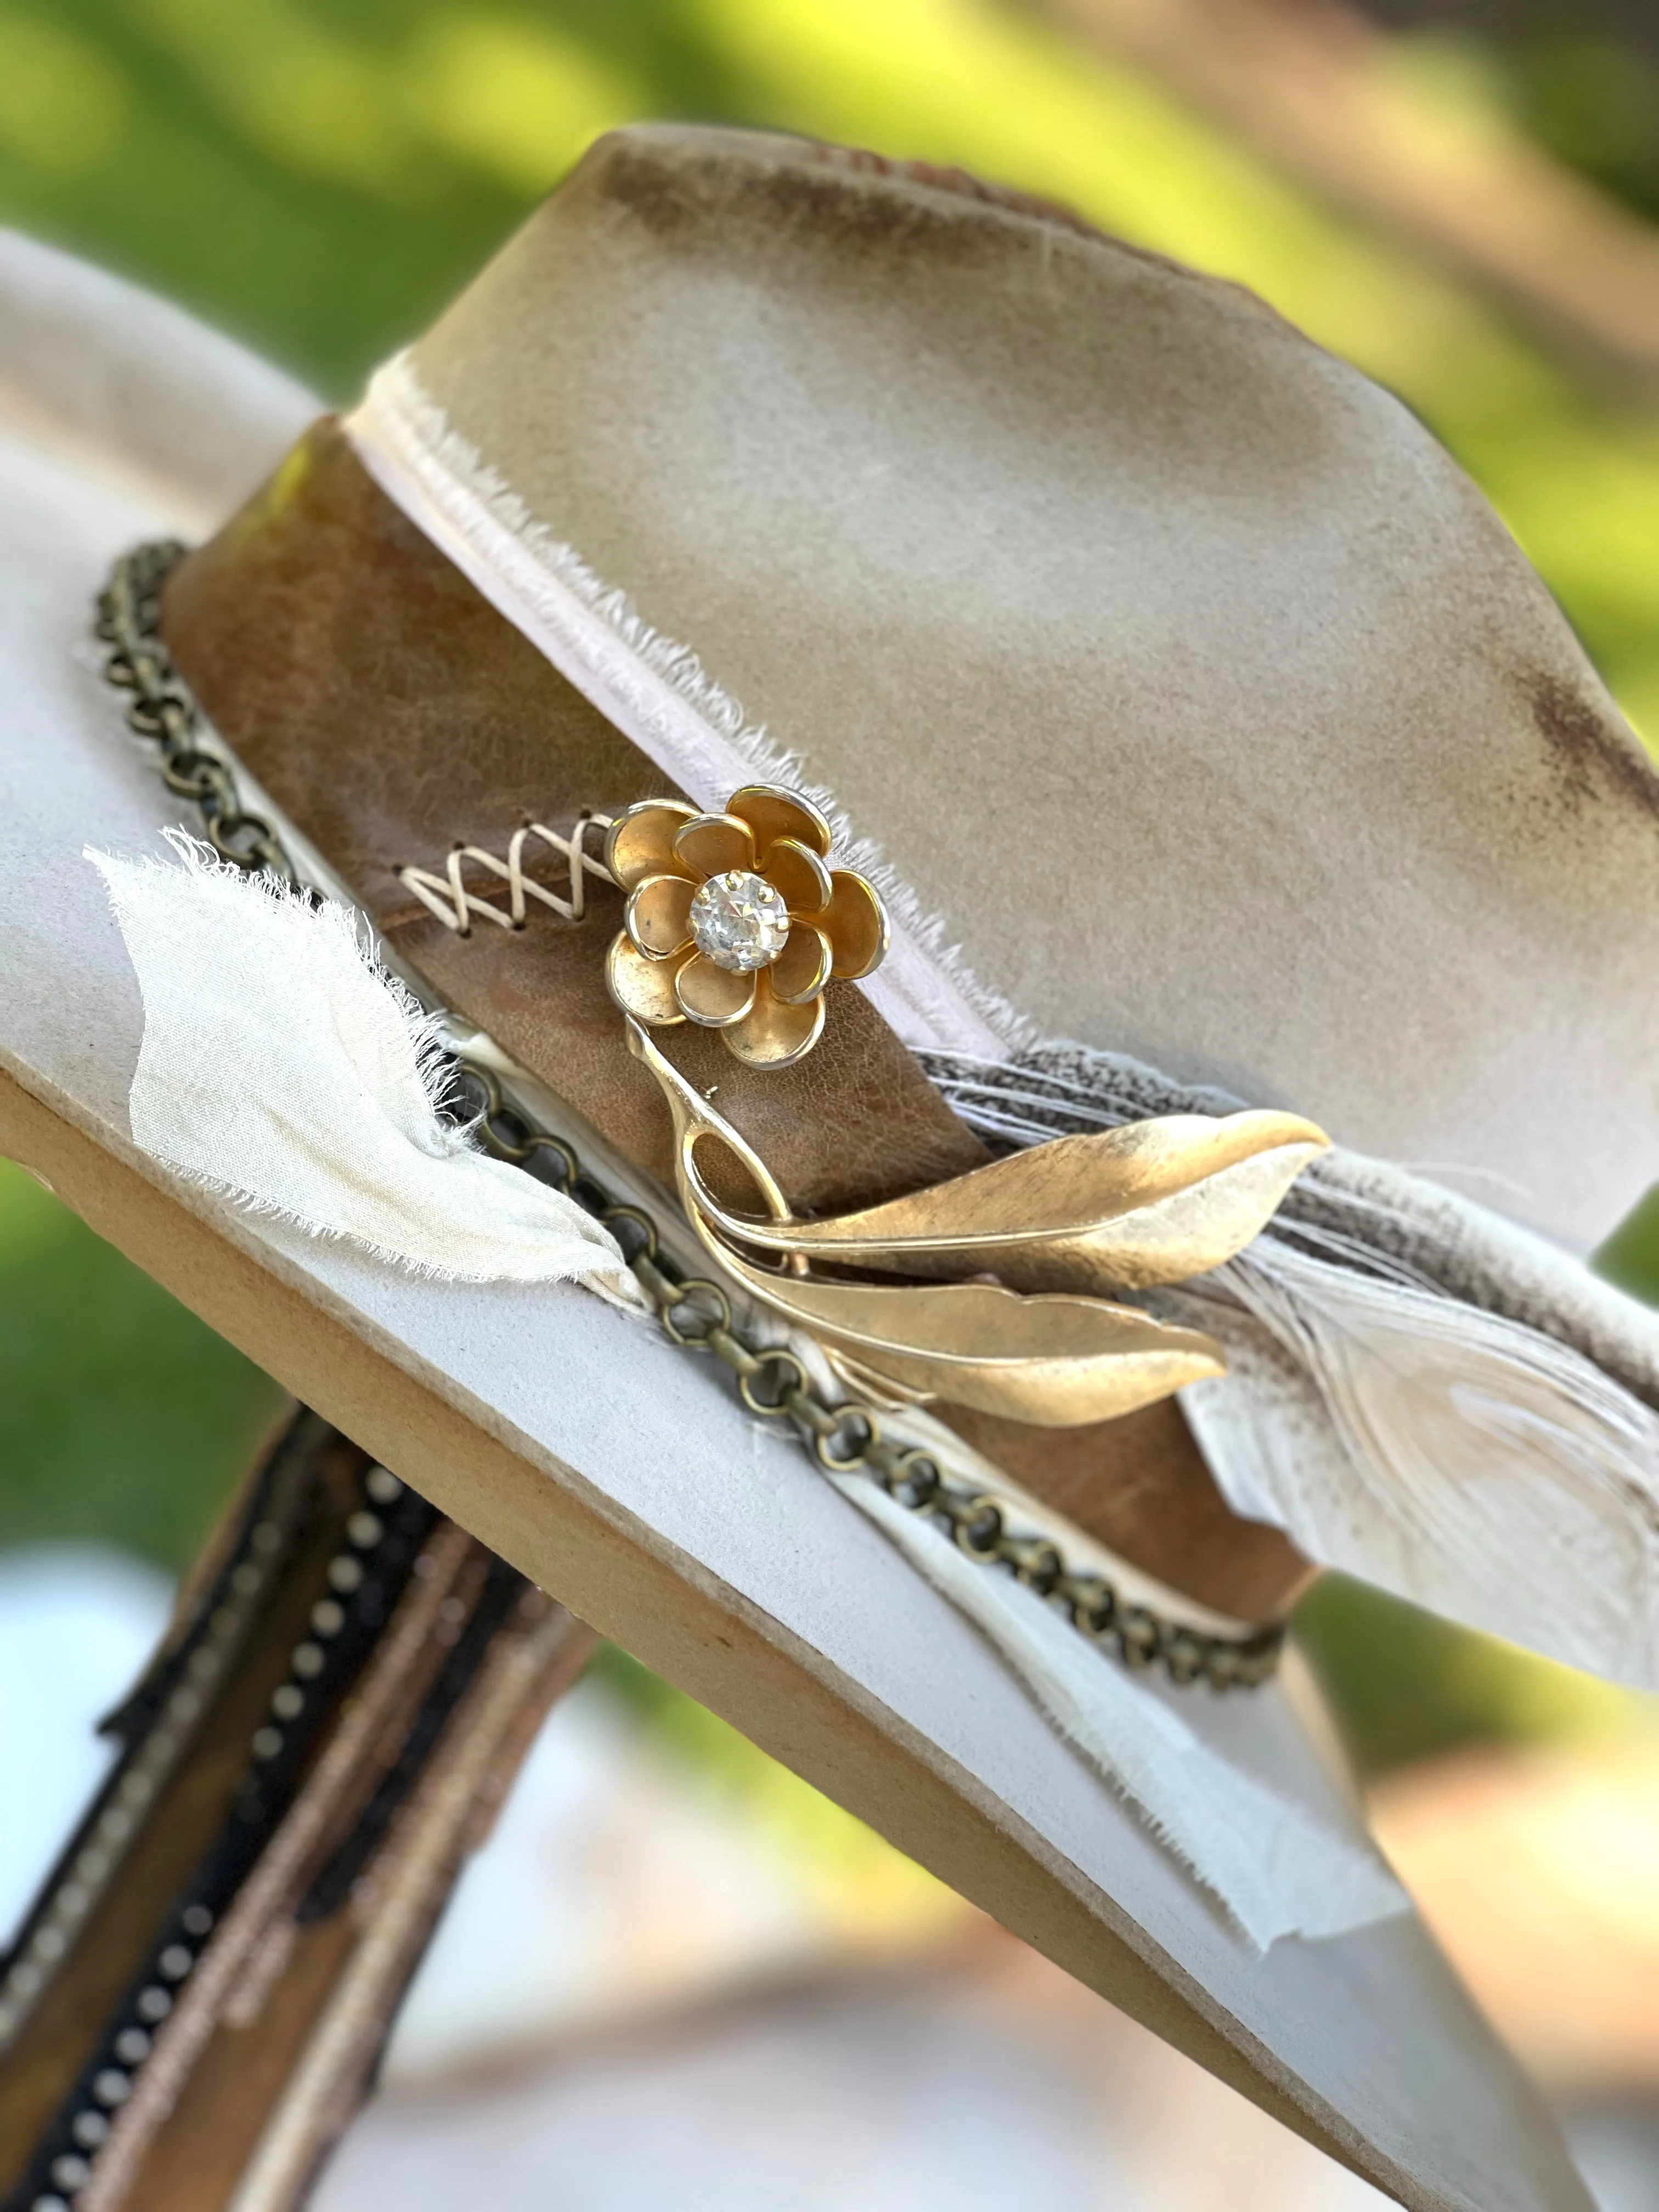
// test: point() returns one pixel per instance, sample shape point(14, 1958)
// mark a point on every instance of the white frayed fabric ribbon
point(1275, 1868)
point(282, 1065)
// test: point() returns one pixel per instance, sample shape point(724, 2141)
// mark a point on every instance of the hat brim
point(609, 1466)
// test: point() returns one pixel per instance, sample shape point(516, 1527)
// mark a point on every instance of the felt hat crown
point(1189, 690)
point(1208, 747)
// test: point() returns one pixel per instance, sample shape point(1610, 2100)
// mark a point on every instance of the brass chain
point(162, 709)
point(695, 1311)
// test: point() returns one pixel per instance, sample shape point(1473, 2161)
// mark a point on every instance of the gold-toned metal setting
point(678, 866)
point(1010, 1319)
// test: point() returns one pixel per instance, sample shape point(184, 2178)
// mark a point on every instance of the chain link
point(162, 710)
point(695, 1311)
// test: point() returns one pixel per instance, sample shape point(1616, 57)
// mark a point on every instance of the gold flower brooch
point(1003, 1290)
point(736, 921)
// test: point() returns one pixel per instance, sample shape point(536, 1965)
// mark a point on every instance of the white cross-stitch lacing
point(447, 896)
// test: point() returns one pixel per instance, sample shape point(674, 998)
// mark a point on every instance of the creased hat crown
point(1177, 676)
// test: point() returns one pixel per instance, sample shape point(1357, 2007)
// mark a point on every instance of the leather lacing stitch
point(448, 898)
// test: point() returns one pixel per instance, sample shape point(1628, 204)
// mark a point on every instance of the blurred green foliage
point(122, 1417)
point(1595, 102)
point(1580, 77)
point(1403, 1684)
point(320, 175)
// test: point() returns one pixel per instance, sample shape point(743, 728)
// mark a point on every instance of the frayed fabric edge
point(608, 1277)
point(1276, 1867)
point(654, 689)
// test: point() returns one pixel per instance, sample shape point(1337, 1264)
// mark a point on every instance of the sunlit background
point(1458, 199)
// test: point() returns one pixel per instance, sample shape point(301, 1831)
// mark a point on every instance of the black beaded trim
point(363, 1582)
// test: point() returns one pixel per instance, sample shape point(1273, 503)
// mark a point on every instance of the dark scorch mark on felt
point(1594, 756)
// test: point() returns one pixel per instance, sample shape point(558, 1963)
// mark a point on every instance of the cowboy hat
point(1115, 668)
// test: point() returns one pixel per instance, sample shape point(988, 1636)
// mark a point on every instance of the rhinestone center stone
point(740, 922)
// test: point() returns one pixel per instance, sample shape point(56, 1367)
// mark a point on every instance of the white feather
point(1462, 1460)
point(1417, 1390)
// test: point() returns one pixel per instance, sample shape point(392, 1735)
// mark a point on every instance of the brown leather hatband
point(393, 714)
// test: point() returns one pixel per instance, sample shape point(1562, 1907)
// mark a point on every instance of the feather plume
point(1419, 1391)
point(1458, 1458)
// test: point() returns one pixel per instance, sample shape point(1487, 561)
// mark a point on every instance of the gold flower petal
point(658, 913)
point(772, 813)
point(771, 1034)
point(643, 988)
point(796, 871)
point(802, 968)
point(712, 996)
point(640, 842)
point(855, 922)
point(709, 844)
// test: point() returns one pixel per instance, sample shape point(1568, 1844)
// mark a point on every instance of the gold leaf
point(1118, 1209)
point(1056, 1362)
